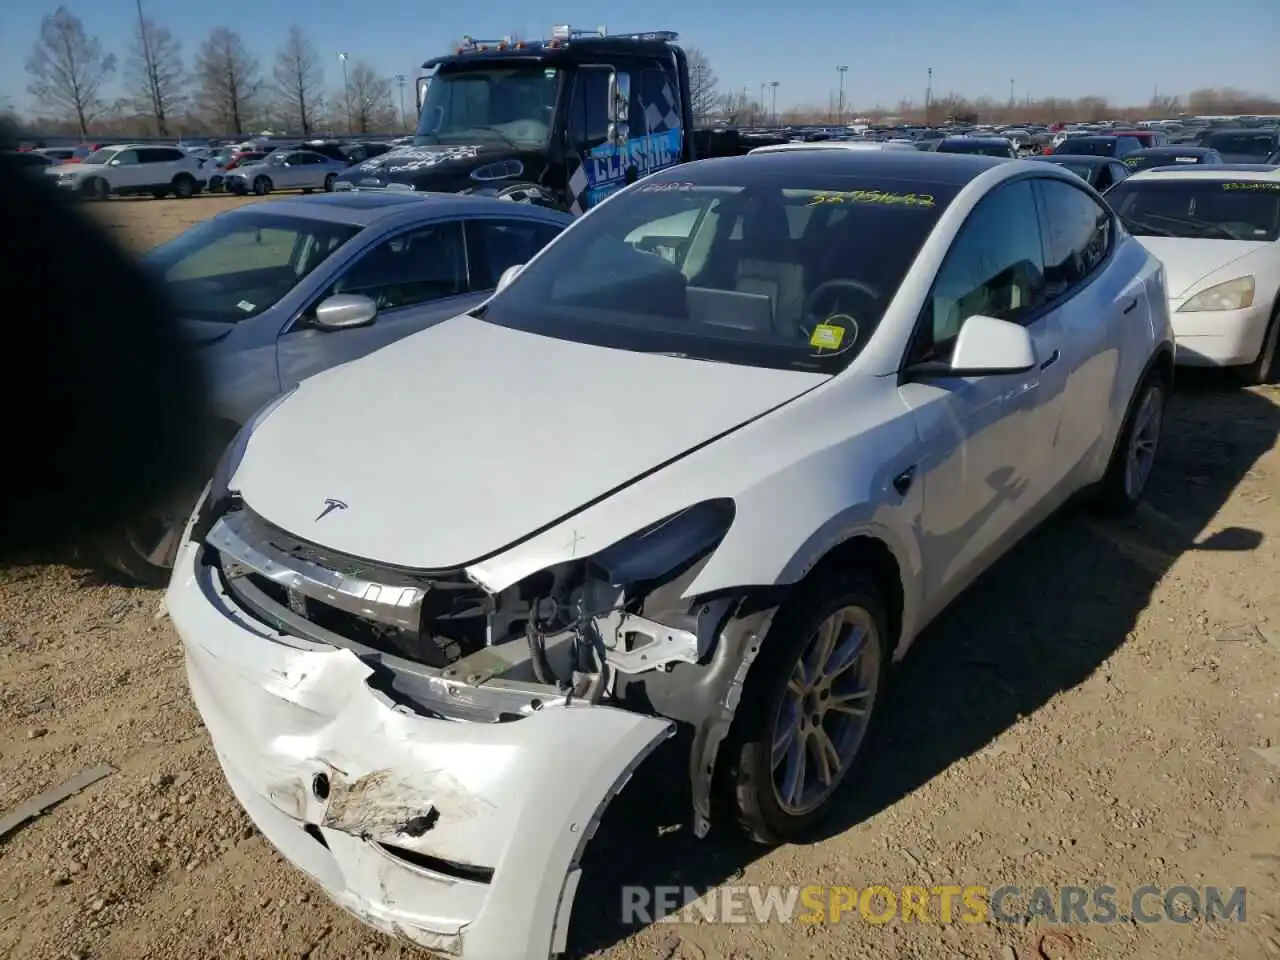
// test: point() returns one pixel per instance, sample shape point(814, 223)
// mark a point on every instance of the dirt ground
point(1103, 708)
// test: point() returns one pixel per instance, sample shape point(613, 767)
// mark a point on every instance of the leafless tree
point(369, 95)
point(299, 81)
point(68, 68)
point(154, 75)
point(702, 84)
point(229, 80)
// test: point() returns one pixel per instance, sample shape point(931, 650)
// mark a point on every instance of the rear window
point(1088, 147)
point(785, 273)
point(1203, 209)
point(1258, 145)
point(985, 148)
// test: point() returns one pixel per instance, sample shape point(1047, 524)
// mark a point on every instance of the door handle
point(1128, 307)
point(1053, 358)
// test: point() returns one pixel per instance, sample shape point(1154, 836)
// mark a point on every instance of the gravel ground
point(1102, 708)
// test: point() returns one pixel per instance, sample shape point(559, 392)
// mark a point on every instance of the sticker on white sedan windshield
point(246, 306)
point(873, 196)
point(1248, 187)
point(827, 336)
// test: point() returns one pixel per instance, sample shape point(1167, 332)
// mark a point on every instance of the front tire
point(809, 704)
point(95, 188)
point(262, 186)
point(1264, 370)
point(1133, 459)
point(329, 181)
point(184, 186)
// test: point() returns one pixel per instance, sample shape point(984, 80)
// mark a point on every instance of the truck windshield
point(786, 271)
point(514, 104)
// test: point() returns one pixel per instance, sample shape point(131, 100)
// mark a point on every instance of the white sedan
point(440, 602)
point(1216, 230)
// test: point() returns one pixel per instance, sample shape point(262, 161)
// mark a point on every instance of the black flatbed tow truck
point(562, 122)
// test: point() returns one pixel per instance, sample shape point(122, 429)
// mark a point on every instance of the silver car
point(280, 290)
point(303, 170)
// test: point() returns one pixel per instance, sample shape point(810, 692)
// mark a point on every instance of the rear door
point(417, 278)
point(1094, 295)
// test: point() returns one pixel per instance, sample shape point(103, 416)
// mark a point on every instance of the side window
point(426, 264)
point(655, 92)
point(126, 158)
point(1118, 172)
point(995, 267)
point(498, 244)
point(588, 114)
point(170, 156)
point(1077, 235)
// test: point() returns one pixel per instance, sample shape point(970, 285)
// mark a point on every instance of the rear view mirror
point(509, 274)
point(343, 311)
point(986, 347)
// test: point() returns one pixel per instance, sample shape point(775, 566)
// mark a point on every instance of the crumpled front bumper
point(464, 838)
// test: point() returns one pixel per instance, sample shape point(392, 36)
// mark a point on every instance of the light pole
point(761, 100)
point(928, 101)
point(1010, 94)
point(401, 80)
point(841, 70)
point(774, 84)
point(346, 90)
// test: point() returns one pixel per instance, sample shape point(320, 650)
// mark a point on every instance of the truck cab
point(562, 122)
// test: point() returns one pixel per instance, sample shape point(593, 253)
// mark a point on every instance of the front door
point(988, 441)
point(417, 279)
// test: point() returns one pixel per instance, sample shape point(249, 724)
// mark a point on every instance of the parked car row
point(717, 553)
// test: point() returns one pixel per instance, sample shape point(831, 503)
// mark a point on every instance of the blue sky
point(1121, 49)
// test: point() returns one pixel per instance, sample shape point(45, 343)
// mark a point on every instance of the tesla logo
point(330, 505)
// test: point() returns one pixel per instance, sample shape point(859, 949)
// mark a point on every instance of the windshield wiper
point(1206, 229)
point(1139, 226)
point(511, 143)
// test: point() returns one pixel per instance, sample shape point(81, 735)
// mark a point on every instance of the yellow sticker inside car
point(874, 196)
point(827, 336)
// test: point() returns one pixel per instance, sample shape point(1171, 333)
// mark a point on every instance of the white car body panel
point(325, 719)
point(1219, 338)
point(553, 453)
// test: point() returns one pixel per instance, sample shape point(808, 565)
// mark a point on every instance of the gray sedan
point(303, 170)
point(280, 290)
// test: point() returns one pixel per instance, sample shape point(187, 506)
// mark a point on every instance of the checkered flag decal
point(578, 185)
point(663, 113)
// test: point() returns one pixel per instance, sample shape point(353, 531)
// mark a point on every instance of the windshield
point(512, 104)
point(1204, 209)
point(789, 274)
point(1258, 144)
point(99, 156)
point(1136, 162)
point(233, 267)
point(984, 148)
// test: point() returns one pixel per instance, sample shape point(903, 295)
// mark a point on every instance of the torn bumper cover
point(464, 838)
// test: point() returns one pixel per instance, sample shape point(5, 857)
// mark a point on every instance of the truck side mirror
point(619, 107)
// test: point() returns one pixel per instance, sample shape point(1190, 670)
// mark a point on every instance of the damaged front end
point(436, 754)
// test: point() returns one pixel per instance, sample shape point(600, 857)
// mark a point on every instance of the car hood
point(463, 439)
point(1189, 261)
point(443, 168)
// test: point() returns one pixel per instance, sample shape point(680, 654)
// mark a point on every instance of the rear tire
point(184, 186)
point(1133, 459)
point(329, 181)
point(262, 186)
point(1264, 370)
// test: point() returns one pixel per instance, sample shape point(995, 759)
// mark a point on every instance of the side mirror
point(619, 107)
point(986, 347)
point(509, 274)
point(342, 311)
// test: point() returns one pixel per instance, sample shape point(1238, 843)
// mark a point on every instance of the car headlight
point(1231, 295)
point(659, 551)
